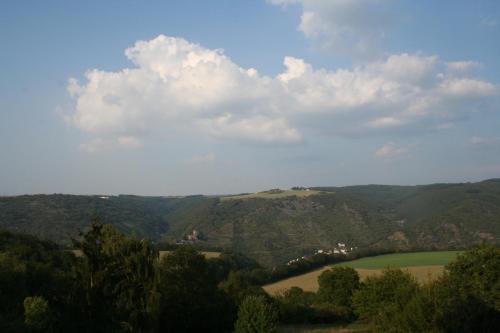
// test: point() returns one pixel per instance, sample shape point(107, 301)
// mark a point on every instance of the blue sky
point(238, 96)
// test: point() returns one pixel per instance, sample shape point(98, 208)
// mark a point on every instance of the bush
point(382, 298)
point(255, 315)
point(37, 314)
point(295, 306)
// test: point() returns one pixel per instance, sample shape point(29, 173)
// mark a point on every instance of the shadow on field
point(324, 328)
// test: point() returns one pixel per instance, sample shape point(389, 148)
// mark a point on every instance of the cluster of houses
point(341, 249)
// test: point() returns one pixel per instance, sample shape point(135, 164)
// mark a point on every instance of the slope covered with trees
point(275, 229)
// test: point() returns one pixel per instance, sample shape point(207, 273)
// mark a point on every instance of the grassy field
point(207, 254)
point(398, 260)
point(425, 266)
point(322, 328)
point(272, 195)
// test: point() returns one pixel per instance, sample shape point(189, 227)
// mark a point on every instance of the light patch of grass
point(398, 260)
point(272, 195)
point(424, 266)
point(309, 281)
point(325, 328)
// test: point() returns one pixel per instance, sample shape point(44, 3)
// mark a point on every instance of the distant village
point(340, 249)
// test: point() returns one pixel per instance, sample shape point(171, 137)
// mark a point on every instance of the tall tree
point(255, 315)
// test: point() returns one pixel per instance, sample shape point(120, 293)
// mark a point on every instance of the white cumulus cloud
point(355, 26)
point(390, 150)
point(182, 87)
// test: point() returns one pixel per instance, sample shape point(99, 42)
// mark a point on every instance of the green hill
point(274, 227)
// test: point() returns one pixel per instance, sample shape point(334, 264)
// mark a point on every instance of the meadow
point(207, 254)
point(272, 195)
point(424, 266)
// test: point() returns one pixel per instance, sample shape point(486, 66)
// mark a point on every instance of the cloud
point(99, 144)
point(202, 159)
point(353, 26)
point(183, 89)
point(489, 22)
point(484, 141)
point(462, 66)
point(390, 150)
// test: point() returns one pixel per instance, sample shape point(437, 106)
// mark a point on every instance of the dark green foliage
point(467, 297)
point(476, 273)
point(256, 315)
point(238, 287)
point(337, 285)
point(37, 314)
point(273, 231)
point(381, 298)
point(463, 300)
point(118, 285)
point(295, 306)
point(118, 276)
point(31, 267)
point(189, 300)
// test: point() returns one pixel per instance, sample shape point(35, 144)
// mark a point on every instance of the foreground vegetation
point(120, 284)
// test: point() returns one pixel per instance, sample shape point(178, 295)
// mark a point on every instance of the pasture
point(272, 195)
point(207, 254)
point(424, 266)
point(325, 328)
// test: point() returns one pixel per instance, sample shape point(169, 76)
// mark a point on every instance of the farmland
point(207, 254)
point(424, 266)
point(273, 194)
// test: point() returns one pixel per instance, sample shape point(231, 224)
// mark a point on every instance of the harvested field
point(425, 266)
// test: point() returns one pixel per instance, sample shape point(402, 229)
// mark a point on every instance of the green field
point(399, 260)
point(424, 266)
point(272, 195)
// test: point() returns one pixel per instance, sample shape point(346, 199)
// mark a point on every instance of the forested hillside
point(274, 230)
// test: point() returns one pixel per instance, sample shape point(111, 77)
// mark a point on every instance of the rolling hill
point(274, 227)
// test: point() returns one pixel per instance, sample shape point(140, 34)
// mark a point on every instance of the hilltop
point(276, 226)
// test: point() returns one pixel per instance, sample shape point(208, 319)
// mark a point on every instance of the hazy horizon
point(241, 192)
point(189, 97)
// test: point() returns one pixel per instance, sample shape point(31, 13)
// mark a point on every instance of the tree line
point(119, 284)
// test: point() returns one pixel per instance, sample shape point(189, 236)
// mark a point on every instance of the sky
point(214, 97)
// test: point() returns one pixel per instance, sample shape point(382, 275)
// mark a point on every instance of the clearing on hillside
point(272, 194)
point(424, 266)
point(207, 254)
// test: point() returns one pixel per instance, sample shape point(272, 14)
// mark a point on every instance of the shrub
point(255, 315)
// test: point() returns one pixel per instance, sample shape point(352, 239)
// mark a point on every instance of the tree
point(477, 272)
point(295, 306)
point(467, 297)
point(189, 300)
point(337, 285)
point(117, 275)
point(238, 287)
point(255, 315)
point(37, 314)
point(464, 299)
point(381, 298)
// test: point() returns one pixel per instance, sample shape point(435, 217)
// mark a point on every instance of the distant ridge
point(276, 226)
